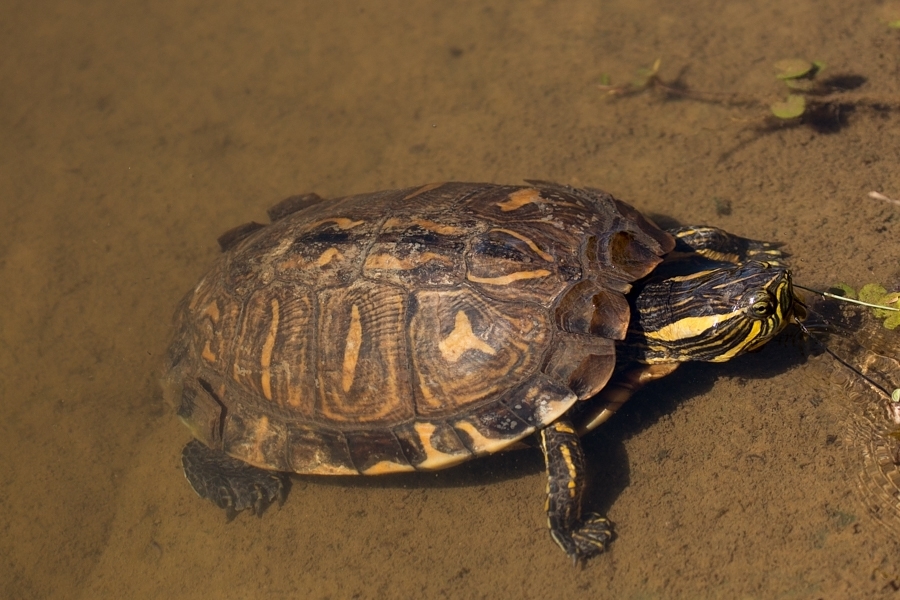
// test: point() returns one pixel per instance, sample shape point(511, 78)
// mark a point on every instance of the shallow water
point(134, 135)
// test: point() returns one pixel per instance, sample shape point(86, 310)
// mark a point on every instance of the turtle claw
point(229, 483)
point(585, 540)
point(592, 535)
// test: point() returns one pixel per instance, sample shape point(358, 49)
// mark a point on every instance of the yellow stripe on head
point(688, 327)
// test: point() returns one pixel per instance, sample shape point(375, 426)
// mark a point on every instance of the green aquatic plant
point(798, 75)
point(645, 78)
point(794, 68)
point(793, 107)
point(822, 104)
point(885, 305)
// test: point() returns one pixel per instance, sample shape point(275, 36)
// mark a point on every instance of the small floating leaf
point(895, 395)
point(646, 75)
point(888, 300)
point(844, 290)
point(893, 322)
point(895, 24)
point(872, 292)
point(793, 107)
point(792, 68)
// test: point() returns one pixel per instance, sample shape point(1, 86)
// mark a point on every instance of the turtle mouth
point(799, 311)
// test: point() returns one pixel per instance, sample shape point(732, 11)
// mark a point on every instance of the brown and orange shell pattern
point(406, 329)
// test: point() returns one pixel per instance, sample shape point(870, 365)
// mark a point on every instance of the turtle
point(417, 328)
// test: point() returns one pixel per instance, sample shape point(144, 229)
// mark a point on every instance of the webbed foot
point(585, 539)
point(230, 483)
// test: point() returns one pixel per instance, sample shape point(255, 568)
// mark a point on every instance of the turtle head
point(710, 315)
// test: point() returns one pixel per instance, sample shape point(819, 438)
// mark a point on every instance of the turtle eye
point(763, 308)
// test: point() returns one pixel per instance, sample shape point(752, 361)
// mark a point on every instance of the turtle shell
point(406, 329)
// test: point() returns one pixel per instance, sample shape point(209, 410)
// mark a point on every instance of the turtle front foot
point(579, 535)
point(586, 539)
point(229, 483)
point(718, 244)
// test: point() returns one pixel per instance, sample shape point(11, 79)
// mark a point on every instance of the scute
point(466, 349)
point(256, 439)
point(406, 329)
point(514, 265)
point(584, 362)
point(416, 251)
point(273, 349)
point(362, 365)
point(588, 307)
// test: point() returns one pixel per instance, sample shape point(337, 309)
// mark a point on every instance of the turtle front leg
point(579, 536)
point(718, 244)
point(230, 483)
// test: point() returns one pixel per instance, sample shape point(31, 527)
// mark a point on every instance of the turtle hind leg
point(230, 483)
point(580, 536)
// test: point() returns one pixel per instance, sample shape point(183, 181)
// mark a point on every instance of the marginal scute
point(205, 329)
point(429, 446)
point(491, 428)
point(583, 362)
point(316, 450)
point(236, 235)
point(630, 247)
point(518, 199)
point(626, 252)
point(611, 315)
point(291, 205)
point(445, 440)
point(413, 443)
point(592, 375)
point(544, 202)
point(588, 307)
point(664, 240)
point(434, 201)
point(255, 438)
point(548, 399)
point(376, 452)
point(200, 410)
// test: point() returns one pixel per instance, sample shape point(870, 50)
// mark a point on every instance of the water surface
point(133, 135)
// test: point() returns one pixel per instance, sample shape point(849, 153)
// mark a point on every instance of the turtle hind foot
point(230, 483)
point(586, 539)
